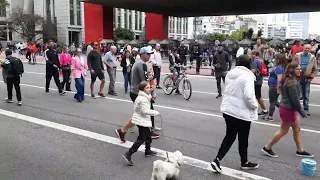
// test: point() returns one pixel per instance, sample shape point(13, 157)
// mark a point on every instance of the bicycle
point(186, 84)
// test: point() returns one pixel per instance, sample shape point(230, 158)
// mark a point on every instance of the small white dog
point(168, 169)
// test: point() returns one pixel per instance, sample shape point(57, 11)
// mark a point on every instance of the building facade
point(277, 30)
point(213, 24)
point(304, 18)
point(295, 30)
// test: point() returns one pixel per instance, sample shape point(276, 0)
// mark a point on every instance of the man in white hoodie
point(156, 61)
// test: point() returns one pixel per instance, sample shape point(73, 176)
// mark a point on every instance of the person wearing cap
point(139, 73)
point(156, 61)
point(110, 60)
point(135, 53)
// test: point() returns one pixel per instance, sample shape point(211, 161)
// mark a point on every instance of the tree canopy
point(123, 34)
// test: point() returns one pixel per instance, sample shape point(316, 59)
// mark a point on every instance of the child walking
point(141, 118)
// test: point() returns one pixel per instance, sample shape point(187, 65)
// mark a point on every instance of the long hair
point(289, 74)
point(281, 60)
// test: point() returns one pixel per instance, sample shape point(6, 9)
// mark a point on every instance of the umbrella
point(245, 42)
point(153, 42)
point(228, 42)
point(106, 41)
point(134, 42)
point(166, 42)
point(122, 41)
point(275, 42)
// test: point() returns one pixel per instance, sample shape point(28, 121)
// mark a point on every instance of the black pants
point(157, 74)
point(144, 137)
point(66, 71)
point(152, 117)
point(14, 81)
point(266, 63)
point(235, 127)
point(198, 59)
point(28, 56)
point(218, 78)
point(52, 72)
point(183, 60)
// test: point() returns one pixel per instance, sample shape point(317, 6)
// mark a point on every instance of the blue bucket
point(308, 167)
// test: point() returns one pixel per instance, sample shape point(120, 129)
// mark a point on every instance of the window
point(119, 18)
point(140, 20)
point(125, 19)
point(3, 12)
point(78, 13)
point(71, 7)
point(130, 19)
point(136, 20)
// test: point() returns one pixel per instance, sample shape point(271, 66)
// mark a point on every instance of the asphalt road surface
point(55, 137)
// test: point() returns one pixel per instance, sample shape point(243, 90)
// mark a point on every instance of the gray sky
point(314, 23)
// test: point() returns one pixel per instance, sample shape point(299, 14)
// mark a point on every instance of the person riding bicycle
point(174, 66)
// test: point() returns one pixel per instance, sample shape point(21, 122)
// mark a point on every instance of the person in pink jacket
point(79, 68)
point(65, 63)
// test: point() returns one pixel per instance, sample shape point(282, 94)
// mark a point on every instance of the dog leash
point(161, 127)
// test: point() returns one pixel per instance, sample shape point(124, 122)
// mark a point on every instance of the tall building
point(304, 18)
point(214, 24)
point(277, 30)
point(295, 30)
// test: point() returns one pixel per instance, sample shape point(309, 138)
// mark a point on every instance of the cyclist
point(174, 66)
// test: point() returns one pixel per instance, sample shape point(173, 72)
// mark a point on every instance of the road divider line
point(172, 108)
point(111, 140)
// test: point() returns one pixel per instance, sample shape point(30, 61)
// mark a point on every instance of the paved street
point(54, 137)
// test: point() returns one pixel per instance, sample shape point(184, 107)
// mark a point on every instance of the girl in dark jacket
point(126, 64)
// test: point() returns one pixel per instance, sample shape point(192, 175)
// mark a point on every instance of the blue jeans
point(305, 91)
point(79, 83)
point(127, 80)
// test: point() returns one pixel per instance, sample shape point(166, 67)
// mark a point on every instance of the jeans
point(66, 78)
point(127, 80)
point(79, 83)
point(14, 81)
point(183, 60)
point(218, 78)
point(144, 137)
point(305, 91)
point(112, 72)
point(273, 100)
point(157, 74)
point(235, 127)
point(52, 72)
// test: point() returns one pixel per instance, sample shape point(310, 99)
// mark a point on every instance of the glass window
point(78, 12)
point(3, 12)
point(136, 20)
point(119, 18)
point(125, 19)
point(140, 21)
point(71, 7)
point(130, 20)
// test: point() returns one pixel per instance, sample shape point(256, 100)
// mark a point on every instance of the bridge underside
point(186, 8)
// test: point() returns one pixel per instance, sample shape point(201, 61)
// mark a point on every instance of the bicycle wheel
point(186, 89)
point(168, 85)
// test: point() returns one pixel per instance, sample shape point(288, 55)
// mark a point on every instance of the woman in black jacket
point(126, 64)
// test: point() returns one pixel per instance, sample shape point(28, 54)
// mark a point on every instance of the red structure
point(98, 24)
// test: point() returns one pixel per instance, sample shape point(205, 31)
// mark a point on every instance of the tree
point(218, 36)
point(123, 34)
point(237, 35)
point(25, 24)
point(259, 35)
point(4, 4)
point(249, 33)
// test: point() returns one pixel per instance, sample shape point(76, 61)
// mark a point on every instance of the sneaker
point(47, 92)
point(304, 154)
point(263, 113)
point(158, 87)
point(215, 164)
point(150, 153)
point(93, 96)
point(268, 118)
point(62, 93)
point(156, 128)
point(19, 103)
point(9, 100)
point(249, 166)
point(120, 135)
point(127, 157)
point(101, 95)
point(219, 96)
point(154, 135)
point(308, 113)
point(269, 152)
point(113, 93)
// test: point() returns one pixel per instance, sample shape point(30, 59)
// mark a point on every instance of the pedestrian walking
point(183, 52)
point(141, 118)
point(96, 69)
point(274, 81)
point(156, 61)
point(79, 67)
point(239, 107)
point(65, 65)
point(309, 69)
point(52, 68)
point(110, 60)
point(13, 70)
point(126, 64)
point(289, 110)
point(197, 54)
point(221, 64)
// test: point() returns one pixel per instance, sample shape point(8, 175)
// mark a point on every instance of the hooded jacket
point(142, 111)
point(239, 98)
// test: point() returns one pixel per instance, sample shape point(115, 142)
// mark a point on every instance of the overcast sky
point(314, 23)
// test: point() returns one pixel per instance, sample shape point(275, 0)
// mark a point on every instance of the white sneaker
point(156, 128)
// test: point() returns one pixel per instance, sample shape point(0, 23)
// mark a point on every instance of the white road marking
point(111, 140)
point(199, 92)
point(176, 109)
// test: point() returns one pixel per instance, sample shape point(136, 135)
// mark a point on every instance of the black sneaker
point(62, 93)
point(113, 93)
point(93, 96)
point(215, 164)
point(150, 153)
point(268, 118)
point(101, 95)
point(158, 87)
point(9, 100)
point(304, 154)
point(269, 152)
point(249, 166)
point(219, 96)
point(127, 157)
point(263, 113)
point(19, 103)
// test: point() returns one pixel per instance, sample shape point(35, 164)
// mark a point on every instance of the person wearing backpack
point(259, 69)
point(13, 70)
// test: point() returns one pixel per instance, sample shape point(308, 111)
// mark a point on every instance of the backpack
point(263, 71)
point(16, 66)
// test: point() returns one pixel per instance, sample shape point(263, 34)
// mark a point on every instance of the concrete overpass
point(99, 13)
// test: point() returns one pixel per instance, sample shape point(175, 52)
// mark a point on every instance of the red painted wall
point(107, 22)
point(93, 22)
point(156, 26)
